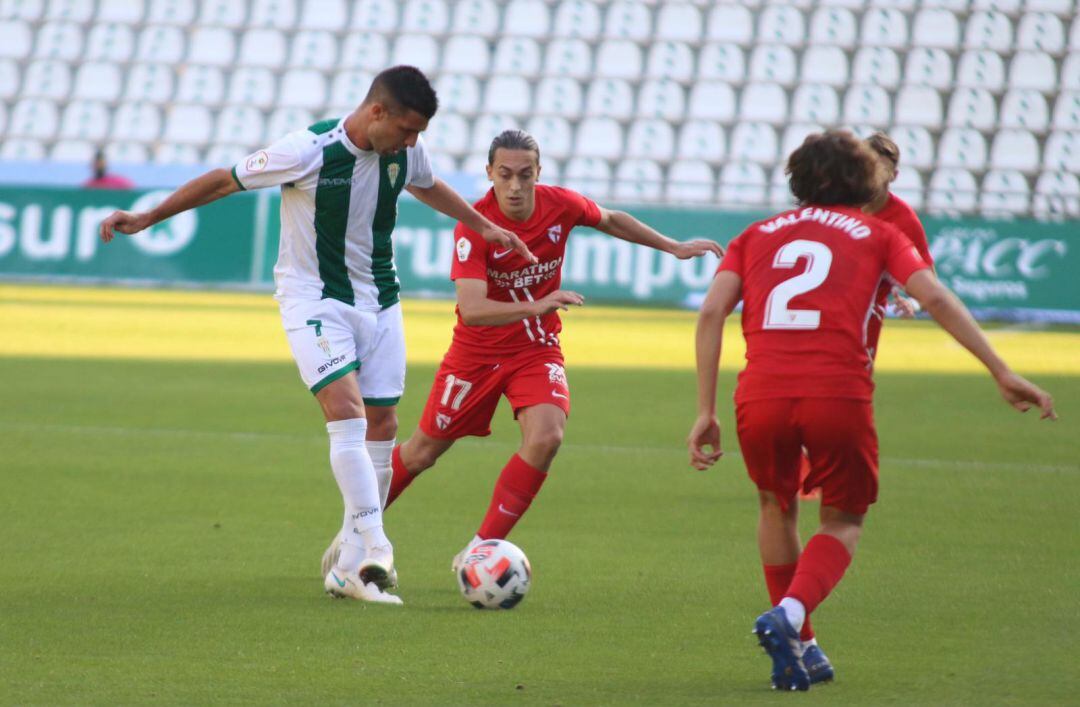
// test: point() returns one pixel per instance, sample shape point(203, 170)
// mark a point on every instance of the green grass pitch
point(162, 525)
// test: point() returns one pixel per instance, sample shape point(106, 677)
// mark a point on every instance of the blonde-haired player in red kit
point(808, 279)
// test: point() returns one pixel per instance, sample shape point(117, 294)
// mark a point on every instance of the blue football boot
point(781, 641)
point(817, 664)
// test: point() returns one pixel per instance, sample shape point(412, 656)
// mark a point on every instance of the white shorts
point(330, 339)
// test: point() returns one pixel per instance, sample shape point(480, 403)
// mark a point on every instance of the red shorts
point(465, 395)
point(840, 440)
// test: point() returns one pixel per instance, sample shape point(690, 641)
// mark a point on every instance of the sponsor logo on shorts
point(258, 161)
point(464, 249)
point(442, 421)
point(557, 394)
point(556, 374)
point(331, 363)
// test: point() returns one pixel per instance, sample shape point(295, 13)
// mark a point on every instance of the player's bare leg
point(415, 455)
point(542, 431)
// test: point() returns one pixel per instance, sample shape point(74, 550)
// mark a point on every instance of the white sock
point(381, 453)
point(355, 475)
point(796, 612)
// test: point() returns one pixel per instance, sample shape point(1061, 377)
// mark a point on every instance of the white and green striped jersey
point(338, 209)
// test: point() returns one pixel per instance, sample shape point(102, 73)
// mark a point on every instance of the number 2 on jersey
point(777, 313)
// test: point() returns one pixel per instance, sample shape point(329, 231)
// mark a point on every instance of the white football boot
point(330, 558)
point(378, 567)
point(342, 585)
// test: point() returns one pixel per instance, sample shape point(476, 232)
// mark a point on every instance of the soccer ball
point(495, 574)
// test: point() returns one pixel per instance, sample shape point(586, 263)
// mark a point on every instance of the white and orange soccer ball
point(494, 574)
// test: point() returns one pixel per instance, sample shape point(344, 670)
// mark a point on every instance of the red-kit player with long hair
point(808, 279)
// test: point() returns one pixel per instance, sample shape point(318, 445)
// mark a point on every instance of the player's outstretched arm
point(477, 309)
point(625, 227)
point(948, 311)
point(443, 199)
point(722, 297)
point(199, 191)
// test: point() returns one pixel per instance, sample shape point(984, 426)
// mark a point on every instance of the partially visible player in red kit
point(808, 279)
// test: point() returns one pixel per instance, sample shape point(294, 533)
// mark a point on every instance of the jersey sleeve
point(280, 163)
point(470, 255)
point(733, 256)
point(902, 259)
point(419, 166)
point(912, 227)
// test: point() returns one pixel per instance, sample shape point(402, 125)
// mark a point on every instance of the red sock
point(401, 477)
point(517, 486)
point(821, 566)
point(778, 579)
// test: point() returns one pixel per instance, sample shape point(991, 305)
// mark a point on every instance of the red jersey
point(510, 278)
point(900, 214)
point(809, 280)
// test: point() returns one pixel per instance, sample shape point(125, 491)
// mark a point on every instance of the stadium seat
point(200, 84)
point(793, 137)
point(117, 152)
point(486, 127)
point(517, 56)
point(554, 135)
point(884, 27)
point(171, 12)
point(123, 11)
point(461, 55)
point(23, 150)
point(174, 153)
point(149, 82)
point(110, 42)
point(599, 137)
point(935, 27)
point(70, 10)
point(9, 79)
point(1004, 193)
point(350, 87)
point(929, 67)
point(73, 151)
point(651, 139)
point(528, 18)
point(85, 120)
point(302, 88)
point(782, 25)
point(1009, 7)
point(286, 120)
point(679, 22)
point(1074, 35)
point(618, 59)
point(743, 185)
point(753, 142)
point(31, 10)
point(962, 147)
point(1015, 149)
point(589, 175)
point(578, 19)
point(909, 187)
point(827, 65)
point(628, 19)
point(161, 44)
point(952, 191)
point(279, 14)
point(136, 122)
point(477, 18)
point(262, 47)
point(33, 118)
point(568, 57)
point(780, 196)
point(1040, 31)
point(833, 26)
point(225, 155)
point(918, 106)
point(213, 46)
point(1025, 108)
point(57, 40)
point(15, 39)
point(1062, 152)
point(236, 125)
point(875, 66)
point(988, 30)
point(458, 93)
point(661, 99)
point(722, 62)
point(730, 23)
point(670, 60)
point(47, 79)
point(763, 102)
point(1061, 8)
point(711, 100)
point(972, 108)
point(252, 86)
point(509, 95)
point(448, 134)
point(419, 50)
point(815, 103)
point(701, 140)
point(1067, 111)
point(981, 69)
point(313, 49)
point(610, 98)
point(476, 164)
point(773, 63)
point(189, 125)
point(375, 16)
point(638, 181)
point(1057, 195)
point(867, 105)
point(560, 97)
point(916, 147)
point(442, 163)
point(221, 13)
point(330, 15)
point(426, 17)
point(690, 181)
point(1036, 70)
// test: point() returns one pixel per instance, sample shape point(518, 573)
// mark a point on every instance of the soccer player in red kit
point(808, 280)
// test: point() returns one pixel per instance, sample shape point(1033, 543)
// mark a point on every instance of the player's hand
point(508, 239)
point(697, 248)
point(559, 299)
point(127, 222)
point(705, 433)
point(905, 306)
point(1022, 394)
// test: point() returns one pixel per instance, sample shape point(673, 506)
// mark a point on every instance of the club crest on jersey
point(555, 233)
point(258, 161)
point(442, 421)
point(556, 374)
point(392, 171)
point(464, 249)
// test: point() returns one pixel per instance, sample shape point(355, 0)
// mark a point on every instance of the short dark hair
point(513, 140)
point(833, 167)
point(885, 146)
point(406, 88)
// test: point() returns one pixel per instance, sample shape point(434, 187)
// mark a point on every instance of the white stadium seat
point(350, 87)
point(70, 10)
point(479, 18)
point(753, 142)
point(458, 93)
point(125, 11)
point(773, 63)
point(58, 40)
point(781, 24)
point(161, 43)
point(375, 16)
point(1040, 32)
point(1036, 70)
point(85, 120)
point(365, 51)
point(577, 19)
point(627, 19)
point(651, 139)
point(1058, 7)
point(221, 13)
point(1015, 149)
point(935, 27)
point(461, 55)
point(962, 147)
point(599, 137)
point(15, 39)
point(75, 151)
point(280, 14)
point(743, 185)
point(763, 102)
point(916, 147)
point(918, 106)
point(679, 21)
point(972, 108)
point(952, 191)
point(486, 127)
point(47, 79)
point(23, 9)
point(517, 56)
point(213, 46)
point(110, 42)
point(1008, 7)
point(730, 23)
point(1004, 193)
point(723, 62)
point(287, 120)
point(302, 88)
point(780, 196)
point(909, 187)
point(1067, 111)
point(1062, 152)
point(884, 27)
point(425, 17)
point(236, 125)
point(262, 47)
point(529, 18)
point(189, 125)
point(136, 122)
point(149, 82)
point(833, 26)
point(23, 150)
point(554, 135)
point(118, 152)
point(981, 69)
point(815, 103)
point(670, 60)
point(1074, 35)
point(558, 96)
point(619, 59)
point(225, 155)
point(589, 175)
point(176, 153)
point(876, 66)
point(988, 30)
point(793, 137)
point(33, 118)
point(929, 67)
point(610, 98)
point(313, 49)
point(690, 181)
point(9, 79)
point(702, 140)
point(252, 86)
point(171, 12)
point(568, 57)
point(661, 99)
point(711, 100)
point(867, 105)
point(510, 95)
point(419, 50)
point(1057, 195)
point(1025, 108)
point(827, 65)
point(638, 180)
point(332, 15)
point(448, 134)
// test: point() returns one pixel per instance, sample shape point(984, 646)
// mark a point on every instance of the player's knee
point(382, 425)
point(546, 443)
point(341, 409)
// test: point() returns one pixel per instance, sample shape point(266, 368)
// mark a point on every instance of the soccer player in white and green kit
point(337, 287)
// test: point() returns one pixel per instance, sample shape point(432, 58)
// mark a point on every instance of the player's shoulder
point(556, 194)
